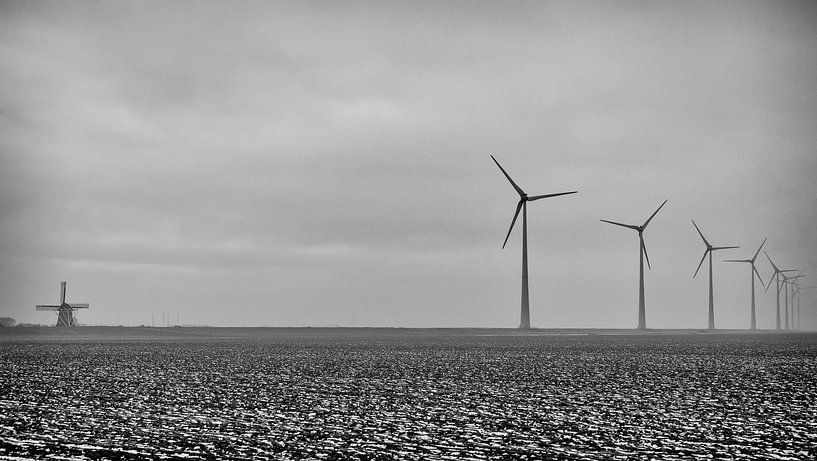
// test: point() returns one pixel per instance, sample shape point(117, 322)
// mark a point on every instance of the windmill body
point(752, 274)
point(64, 310)
point(522, 205)
point(709, 250)
point(642, 253)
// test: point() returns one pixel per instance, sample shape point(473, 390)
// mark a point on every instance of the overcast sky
point(296, 163)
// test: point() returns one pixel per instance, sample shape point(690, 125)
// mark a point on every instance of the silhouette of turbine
point(752, 273)
point(523, 205)
point(709, 250)
point(795, 300)
point(776, 277)
point(790, 281)
point(797, 290)
point(642, 322)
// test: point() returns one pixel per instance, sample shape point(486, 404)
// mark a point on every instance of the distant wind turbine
point(776, 276)
point(709, 250)
point(523, 205)
point(642, 322)
point(795, 304)
point(752, 273)
point(790, 281)
point(797, 293)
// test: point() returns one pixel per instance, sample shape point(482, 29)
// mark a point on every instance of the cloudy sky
point(328, 163)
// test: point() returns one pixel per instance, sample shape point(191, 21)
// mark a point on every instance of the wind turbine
point(709, 250)
point(752, 273)
point(776, 276)
point(642, 322)
point(795, 305)
point(523, 205)
point(790, 281)
point(799, 289)
point(796, 298)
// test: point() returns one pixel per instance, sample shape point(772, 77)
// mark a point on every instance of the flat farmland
point(406, 394)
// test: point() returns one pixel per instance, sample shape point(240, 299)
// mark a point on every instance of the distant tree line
point(7, 322)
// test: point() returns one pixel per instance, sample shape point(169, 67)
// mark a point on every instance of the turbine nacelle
point(750, 261)
point(523, 198)
point(709, 248)
point(640, 229)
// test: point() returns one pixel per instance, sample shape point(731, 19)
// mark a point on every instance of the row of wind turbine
point(643, 255)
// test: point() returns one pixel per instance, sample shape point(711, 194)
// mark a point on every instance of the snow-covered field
point(410, 396)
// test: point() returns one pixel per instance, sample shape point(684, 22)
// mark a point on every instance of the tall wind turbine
point(752, 273)
point(790, 281)
point(523, 205)
point(709, 250)
point(642, 322)
point(776, 276)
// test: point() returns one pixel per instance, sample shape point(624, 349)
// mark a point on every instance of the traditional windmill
point(65, 311)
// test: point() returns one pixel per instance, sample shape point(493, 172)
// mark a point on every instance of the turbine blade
point(518, 189)
point(644, 247)
point(629, 226)
point(758, 249)
point(537, 197)
point(737, 260)
point(45, 307)
point(754, 269)
point(653, 215)
point(518, 207)
point(771, 279)
point(701, 234)
point(62, 292)
point(699, 264)
point(79, 305)
point(771, 262)
point(722, 248)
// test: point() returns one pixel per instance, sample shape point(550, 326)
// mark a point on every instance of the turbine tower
point(776, 276)
point(709, 250)
point(524, 321)
point(65, 311)
point(642, 322)
point(752, 273)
